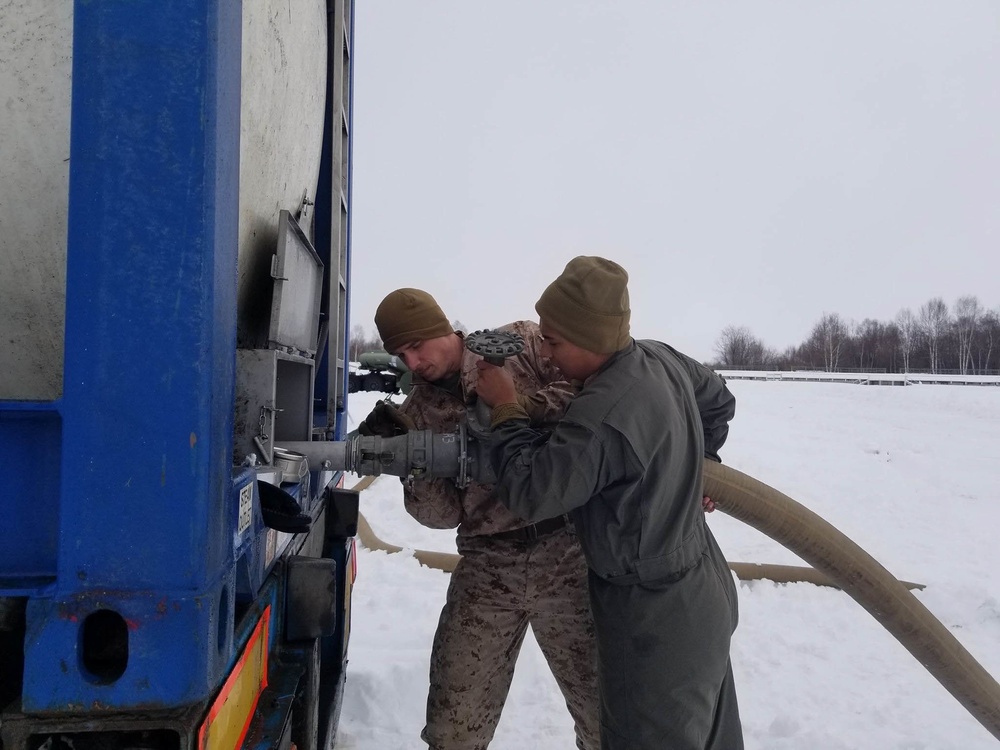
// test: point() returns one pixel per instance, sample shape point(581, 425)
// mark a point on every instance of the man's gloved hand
point(386, 420)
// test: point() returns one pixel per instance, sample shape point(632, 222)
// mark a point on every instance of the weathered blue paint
point(145, 514)
point(31, 439)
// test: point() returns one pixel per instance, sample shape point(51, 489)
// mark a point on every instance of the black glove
point(281, 511)
point(386, 421)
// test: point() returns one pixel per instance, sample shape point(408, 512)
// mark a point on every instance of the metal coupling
point(418, 454)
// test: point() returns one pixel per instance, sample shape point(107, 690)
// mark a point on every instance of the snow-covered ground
point(909, 473)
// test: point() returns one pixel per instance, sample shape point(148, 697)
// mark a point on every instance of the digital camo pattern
point(438, 503)
point(497, 590)
point(501, 586)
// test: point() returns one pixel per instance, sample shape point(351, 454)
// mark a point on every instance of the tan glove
point(534, 409)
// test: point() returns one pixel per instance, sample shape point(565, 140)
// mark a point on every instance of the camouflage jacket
point(438, 503)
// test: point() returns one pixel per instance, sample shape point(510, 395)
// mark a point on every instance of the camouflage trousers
point(498, 588)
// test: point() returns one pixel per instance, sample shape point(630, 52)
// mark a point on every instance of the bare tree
point(932, 339)
point(361, 342)
point(933, 324)
point(732, 345)
point(906, 322)
point(354, 343)
point(967, 315)
point(890, 347)
point(738, 347)
point(868, 337)
point(829, 336)
point(788, 359)
point(987, 338)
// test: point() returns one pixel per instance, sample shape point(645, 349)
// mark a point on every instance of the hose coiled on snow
point(868, 583)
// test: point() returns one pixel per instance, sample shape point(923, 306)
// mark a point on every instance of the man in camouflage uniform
point(511, 573)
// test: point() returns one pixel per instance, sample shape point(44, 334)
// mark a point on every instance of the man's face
point(433, 359)
point(574, 362)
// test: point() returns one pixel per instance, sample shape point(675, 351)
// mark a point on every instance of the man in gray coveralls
point(625, 462)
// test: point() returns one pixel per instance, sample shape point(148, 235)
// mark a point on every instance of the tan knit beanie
point(588, 304)
point(408, 315)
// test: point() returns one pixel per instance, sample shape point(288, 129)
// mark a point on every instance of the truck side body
point(174, 271)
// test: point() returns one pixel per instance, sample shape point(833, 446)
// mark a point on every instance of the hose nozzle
point(418, 454)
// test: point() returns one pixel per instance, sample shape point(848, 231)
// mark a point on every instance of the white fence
point(860, 378)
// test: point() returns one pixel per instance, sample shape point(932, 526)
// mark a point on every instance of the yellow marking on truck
point(350, 575)
point(229, 717)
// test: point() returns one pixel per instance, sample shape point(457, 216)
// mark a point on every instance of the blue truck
point(174, 291)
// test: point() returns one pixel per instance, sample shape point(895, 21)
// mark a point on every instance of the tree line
point(361, 341)
point(961, 340)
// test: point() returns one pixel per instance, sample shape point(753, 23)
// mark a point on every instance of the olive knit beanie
point(408, 315)
point(588, 304)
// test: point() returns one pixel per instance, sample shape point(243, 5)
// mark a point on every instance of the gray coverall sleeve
point(716, 404)
point(543, 474)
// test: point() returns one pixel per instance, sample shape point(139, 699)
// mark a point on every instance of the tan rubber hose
point(440, 560)
point(791, 574)
point(848, 566)
point(445, 561)
point(744, 571)
point(860, 575)
point(364, 484)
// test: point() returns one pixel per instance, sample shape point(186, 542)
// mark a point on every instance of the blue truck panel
point(153, 147)
point(135, 561)
point(29, 537)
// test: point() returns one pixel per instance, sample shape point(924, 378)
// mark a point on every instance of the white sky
point(909, 474)
point(754, 163)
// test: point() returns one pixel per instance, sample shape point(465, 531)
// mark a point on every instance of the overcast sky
point(752, 163)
